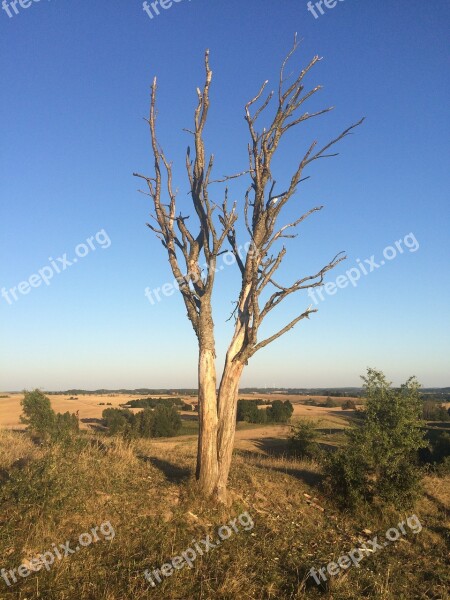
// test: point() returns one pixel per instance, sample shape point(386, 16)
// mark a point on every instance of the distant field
point(90, 407)
point(87, 405)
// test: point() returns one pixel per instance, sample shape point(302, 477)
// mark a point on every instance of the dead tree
point(187, 249)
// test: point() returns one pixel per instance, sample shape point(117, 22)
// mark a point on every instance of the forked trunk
point(228, 398)
point(207, 463)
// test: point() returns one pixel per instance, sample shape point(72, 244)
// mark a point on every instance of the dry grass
point(14, 448)
point(146, 490)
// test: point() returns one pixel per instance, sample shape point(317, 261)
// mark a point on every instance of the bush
point(349, 405)
point(443, 468)
point(303, 440)
point(120, 421)
point(38, 415)
point(43, 422)
point(330, 403)
point(379, 463)
point(65, 425)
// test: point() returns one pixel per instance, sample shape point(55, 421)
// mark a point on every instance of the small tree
point(65, 426)
point(330, 403)
point(379, 464)
point(42, 420)
point(303, 440)
point(38, 415)
point(349, 405)
point(119, 421)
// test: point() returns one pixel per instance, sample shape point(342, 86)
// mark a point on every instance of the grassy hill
point(145, 491)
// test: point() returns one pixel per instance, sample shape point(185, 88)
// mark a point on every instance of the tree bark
point(228, 398)
point(207, 462)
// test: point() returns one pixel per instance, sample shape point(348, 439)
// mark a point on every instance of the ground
point(146, 491)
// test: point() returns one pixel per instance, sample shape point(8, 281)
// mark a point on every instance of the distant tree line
point(154, 402)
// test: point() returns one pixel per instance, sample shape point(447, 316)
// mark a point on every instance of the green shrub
point(349, 405)
point(379, 464)
point(303, 439)
point(443, 468)
point(38, 415)
point(43, 422)
point(120, 421)
point(330, 403)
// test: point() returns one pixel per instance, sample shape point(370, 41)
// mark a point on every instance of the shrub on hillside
point(380, 462)
point(42, 421)
point(349, 405)
point(120, 421)
point(330, 403)
point(303, 439)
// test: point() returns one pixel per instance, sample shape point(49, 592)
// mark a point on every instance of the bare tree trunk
point(187, 248)
point(207, 463)
point(228, 397)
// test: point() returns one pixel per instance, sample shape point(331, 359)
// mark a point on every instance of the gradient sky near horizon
point(75, 86)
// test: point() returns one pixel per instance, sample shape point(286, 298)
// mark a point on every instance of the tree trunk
point(207, 463)
point(228, 397)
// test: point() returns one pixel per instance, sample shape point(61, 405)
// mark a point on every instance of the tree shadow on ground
point(172, 473)
point(308, 476)
point(279, 447)
point(439, 505)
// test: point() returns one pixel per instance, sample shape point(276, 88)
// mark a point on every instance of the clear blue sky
point(75, 86)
